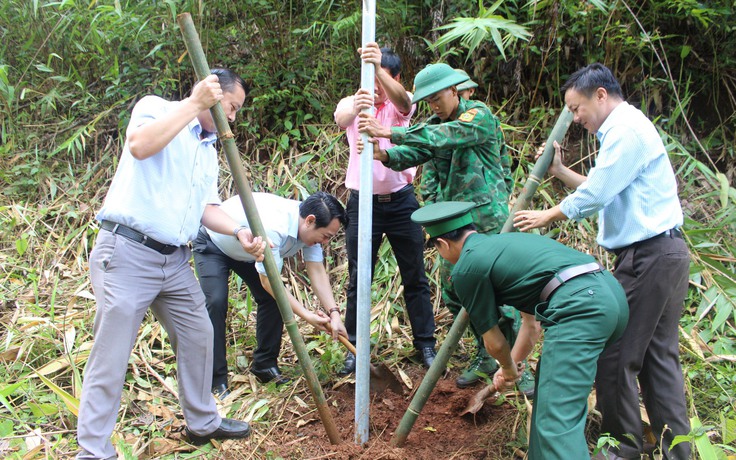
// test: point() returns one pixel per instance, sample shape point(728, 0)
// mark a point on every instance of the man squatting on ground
point(393, 202)
point(581, 307)
point(634, 190)
point(291, 227)
point(464, 156)
point(164, 188)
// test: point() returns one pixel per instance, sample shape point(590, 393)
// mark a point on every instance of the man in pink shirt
point(393, 202)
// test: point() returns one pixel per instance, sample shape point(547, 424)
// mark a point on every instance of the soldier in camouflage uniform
point(464, 156)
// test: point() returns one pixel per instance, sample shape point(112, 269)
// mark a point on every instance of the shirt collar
point(611, 119)
point(294, 227)
point(196, 128)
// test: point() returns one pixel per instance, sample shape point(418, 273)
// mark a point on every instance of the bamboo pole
point(199, 61)
point(461, 321)
point(365, 230)
point(540, 168)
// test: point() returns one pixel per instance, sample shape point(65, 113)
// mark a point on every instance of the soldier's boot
point(525, 385)
point(482, 363)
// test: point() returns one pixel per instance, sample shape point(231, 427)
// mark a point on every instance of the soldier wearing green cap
point(581, 307)
point(466, 89)
point(465, 159)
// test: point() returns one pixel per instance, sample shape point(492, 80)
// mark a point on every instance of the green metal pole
point(199, 61)
point(461, 321)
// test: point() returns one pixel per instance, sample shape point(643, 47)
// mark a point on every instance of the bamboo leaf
point(728, 429)
point(405, 378)
point(256, 410)
point(60, 363)
point(6, 428)
point(69, 336)
point(707, 302)
point(8, 406)
point(723, 312)
point(70, 401)
point(21, 244)
point(43, 409)
point(702, 443)
point(601, 5)
point(473, 31)
point(8, 390)
point(723, 181)
point(43, 68)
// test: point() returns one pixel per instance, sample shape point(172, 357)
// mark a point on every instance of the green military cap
point(467, 84)
point(443, 217)
point(434, 78)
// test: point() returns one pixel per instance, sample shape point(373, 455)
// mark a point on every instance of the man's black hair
point(588, 79)
point(453, 235)
point(324, 207)
point(390, 61)
point(228, 79)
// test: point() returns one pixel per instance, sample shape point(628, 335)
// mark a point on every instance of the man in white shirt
point(165, 187)
point(292, 227)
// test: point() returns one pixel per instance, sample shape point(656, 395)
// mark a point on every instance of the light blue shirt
point(632, 185)
point(280, 217)
point(164, 196)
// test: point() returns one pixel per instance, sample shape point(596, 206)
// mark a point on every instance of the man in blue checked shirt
point(634, 191)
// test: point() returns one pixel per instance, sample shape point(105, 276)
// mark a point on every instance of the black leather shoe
point(220, 390)
point(349, 366)
point(427, 354)
point(228, 429)
point(270, 374)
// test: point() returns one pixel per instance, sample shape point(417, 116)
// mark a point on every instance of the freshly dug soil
point(439, 432)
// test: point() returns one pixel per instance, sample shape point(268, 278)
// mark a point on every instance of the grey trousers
point(654, 275)
point(127, 278)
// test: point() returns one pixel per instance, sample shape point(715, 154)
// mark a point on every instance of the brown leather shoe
point(228, 429)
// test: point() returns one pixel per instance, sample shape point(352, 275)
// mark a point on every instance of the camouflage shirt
point(465, 158)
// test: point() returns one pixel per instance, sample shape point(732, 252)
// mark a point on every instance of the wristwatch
point(238, 229)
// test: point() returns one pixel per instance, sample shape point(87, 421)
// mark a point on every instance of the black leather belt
point(138, 237)
point(671, 233)
point(389, 197)
point(565, 275)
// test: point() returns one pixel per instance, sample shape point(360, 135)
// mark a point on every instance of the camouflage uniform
point(464, 160)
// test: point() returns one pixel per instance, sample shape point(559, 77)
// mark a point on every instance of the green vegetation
point(70, 70)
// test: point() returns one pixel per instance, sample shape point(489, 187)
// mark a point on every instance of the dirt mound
point(439, 432)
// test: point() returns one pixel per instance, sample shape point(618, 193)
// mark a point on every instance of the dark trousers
point(654, 274)
point(393, 219)
point(213, 268)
